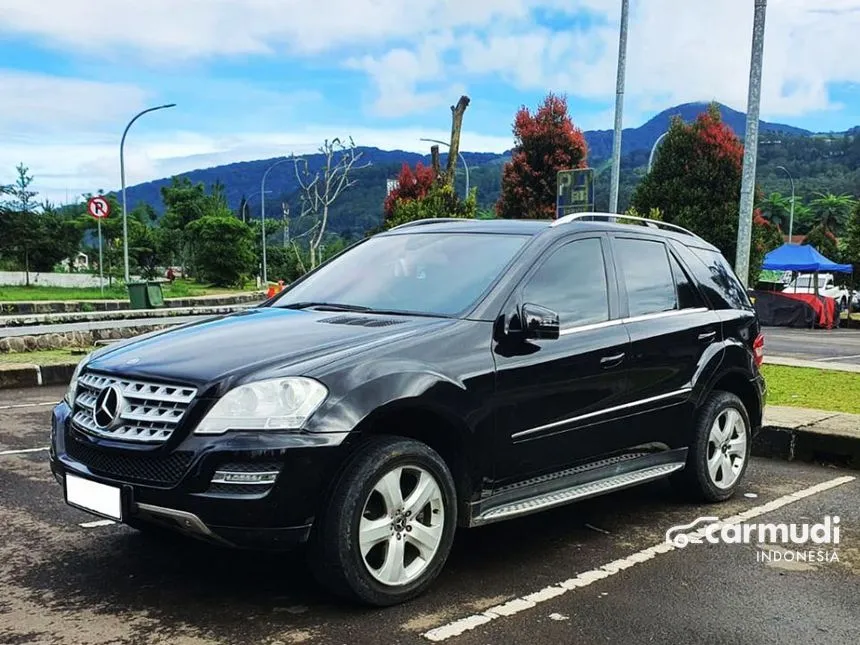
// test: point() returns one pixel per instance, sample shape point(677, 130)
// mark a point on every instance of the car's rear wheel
point(719, 454)
point(389, 525)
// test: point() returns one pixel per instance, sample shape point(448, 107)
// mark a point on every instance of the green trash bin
point(154, 295)
point(137, 295)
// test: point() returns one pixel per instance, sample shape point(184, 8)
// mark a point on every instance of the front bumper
point(172, 486)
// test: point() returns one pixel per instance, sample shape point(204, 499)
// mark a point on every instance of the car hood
point(267, 338)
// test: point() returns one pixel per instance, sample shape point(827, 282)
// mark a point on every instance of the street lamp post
point(263, 213)
point(122, 181)
point(654, 151)
point(459, 154)
point(791, 210)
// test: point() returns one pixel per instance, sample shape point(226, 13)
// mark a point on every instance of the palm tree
point(776, 208)
point(832, 210)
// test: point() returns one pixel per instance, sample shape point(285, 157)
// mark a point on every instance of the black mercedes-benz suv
point(444, 373)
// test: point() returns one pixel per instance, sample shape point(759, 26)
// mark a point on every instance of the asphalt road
point(65, 580)
point(826, 345)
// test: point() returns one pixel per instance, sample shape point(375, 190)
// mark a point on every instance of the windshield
point(807, 281)
point(424, 273)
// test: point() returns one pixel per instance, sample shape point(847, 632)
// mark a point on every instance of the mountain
point(643, 137)
point(363, 208)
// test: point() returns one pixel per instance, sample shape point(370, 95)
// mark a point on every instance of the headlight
point(72, 390)
point(274, 404)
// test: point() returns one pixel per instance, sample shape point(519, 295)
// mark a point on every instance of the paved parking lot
point(826, 345)
point(597, 572)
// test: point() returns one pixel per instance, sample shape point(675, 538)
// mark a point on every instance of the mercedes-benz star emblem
point(108, 407)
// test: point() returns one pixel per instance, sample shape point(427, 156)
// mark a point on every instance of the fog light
point(228, 477)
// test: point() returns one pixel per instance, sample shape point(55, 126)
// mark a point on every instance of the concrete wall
point(50, 279)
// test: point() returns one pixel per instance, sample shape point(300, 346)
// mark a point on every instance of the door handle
point(611, 361)
point(708, 335)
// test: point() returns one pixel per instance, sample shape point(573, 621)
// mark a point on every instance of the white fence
point(8, 278)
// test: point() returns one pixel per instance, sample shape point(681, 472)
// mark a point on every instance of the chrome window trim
point(590, 415)
point(642, 318)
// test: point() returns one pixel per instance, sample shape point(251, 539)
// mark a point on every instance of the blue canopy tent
point(802, 258)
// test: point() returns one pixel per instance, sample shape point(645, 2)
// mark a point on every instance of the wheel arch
point(736, 382)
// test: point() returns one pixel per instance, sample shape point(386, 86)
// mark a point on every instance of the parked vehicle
point(805, 283)
point(445, 373)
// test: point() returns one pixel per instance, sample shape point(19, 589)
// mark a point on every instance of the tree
point(321, 189)
point(440, 201)
point(696, 183)
point(824, 242)
point(223, 248)
point(832, 210)
point(17, 229)
point(852, 239)
point(544, 143)
point(776, 208)
point(411, 185)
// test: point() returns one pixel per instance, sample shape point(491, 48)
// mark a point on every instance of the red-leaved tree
point(411, 185)
point(544, 143)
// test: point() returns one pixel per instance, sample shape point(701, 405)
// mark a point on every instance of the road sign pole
point(101, 264)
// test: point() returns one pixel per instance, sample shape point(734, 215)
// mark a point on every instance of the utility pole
point(619, 107)
point(285, 207)
point(742, 261)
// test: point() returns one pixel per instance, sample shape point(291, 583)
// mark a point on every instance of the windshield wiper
point(333, 306)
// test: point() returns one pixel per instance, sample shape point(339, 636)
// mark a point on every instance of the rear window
point(717, 277)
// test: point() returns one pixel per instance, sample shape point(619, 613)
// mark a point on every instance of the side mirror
point(539, 322)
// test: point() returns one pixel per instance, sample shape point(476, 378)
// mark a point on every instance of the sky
point(258, 79)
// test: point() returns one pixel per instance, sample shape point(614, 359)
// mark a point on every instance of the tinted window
point(430, 273)
point(688, 297)
point(647, 275)
point(572, 282)
point(718, 274)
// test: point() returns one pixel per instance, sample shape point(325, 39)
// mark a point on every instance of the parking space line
point(517, 605)
point(94, 524)
point(16, 406)
point(22, 451)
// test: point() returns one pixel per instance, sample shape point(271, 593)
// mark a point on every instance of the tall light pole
point(122, 180)
point(263, 213)
point(654, 151)
point(791, 211)
point(619, 107)
point(459, 154)
point(742, 261)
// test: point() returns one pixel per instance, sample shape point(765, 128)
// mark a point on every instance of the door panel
point(552, 393)
point(671, 331)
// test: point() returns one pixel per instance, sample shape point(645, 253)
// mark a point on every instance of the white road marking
point(15, 406)
point(839, 358)
point(92, 525)
point(586, 578)
point(20, 452)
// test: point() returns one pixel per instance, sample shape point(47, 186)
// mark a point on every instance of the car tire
point(364, 546)
point(719, 454)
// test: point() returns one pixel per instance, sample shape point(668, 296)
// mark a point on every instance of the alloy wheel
point(401, 525)
point(727, 448)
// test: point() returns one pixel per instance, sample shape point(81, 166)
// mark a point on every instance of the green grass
point(179, 289)
point(45, 357)
point(806, 387)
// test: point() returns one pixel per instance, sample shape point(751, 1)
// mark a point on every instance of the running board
point(576, 493)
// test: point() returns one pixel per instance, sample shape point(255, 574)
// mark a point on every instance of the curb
point(36, 307)
point(15, 376)
point(805, 444)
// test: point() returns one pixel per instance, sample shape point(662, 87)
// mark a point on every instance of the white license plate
point(94, 497)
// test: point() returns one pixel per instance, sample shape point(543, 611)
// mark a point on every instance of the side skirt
point(575, 484)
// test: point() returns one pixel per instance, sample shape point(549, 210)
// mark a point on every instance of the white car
point(826, 287)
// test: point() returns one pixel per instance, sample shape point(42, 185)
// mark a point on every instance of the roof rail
point(652, 223)
point(432, 220)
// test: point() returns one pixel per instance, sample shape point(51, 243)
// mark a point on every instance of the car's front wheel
point(720, 450)
point(389, 525)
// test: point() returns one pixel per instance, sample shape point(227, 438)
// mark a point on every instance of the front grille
point(164, 470)
point(148, 412)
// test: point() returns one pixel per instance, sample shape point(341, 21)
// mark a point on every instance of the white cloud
point(74, 167)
